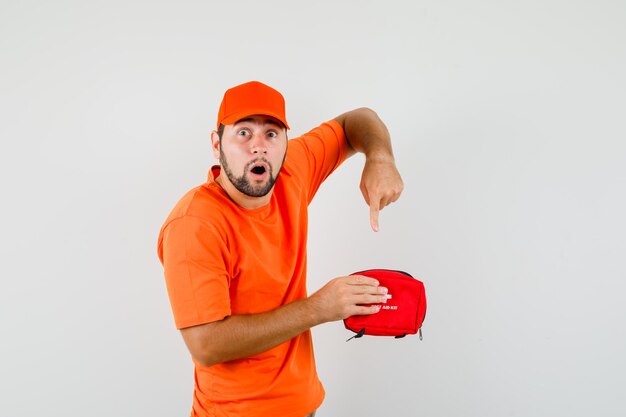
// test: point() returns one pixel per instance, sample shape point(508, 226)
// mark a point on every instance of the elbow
point(200, 341)
point(208, 357)
point(364, 112)
point(356, 117)
point(205, 360)
point(361, 116)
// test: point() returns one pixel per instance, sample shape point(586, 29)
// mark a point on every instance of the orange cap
point(249, 99)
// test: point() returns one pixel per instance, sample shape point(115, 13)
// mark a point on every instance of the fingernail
point(384, 290)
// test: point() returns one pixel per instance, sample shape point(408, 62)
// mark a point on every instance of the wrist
point(379, 156)
point(312, 312)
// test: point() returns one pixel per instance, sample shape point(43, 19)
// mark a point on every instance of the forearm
point(241, 336)
point(381, 183)
point(366, 133)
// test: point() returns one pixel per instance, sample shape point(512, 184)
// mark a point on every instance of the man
point(234, 254)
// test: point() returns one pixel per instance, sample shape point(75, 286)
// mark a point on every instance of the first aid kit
point(401, 315)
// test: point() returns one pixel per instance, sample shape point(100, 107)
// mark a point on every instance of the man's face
point(252, 152)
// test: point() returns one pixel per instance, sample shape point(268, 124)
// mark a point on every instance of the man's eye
point(272, 134)
point(242, 132)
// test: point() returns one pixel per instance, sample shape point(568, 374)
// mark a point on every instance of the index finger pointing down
point(374, 210)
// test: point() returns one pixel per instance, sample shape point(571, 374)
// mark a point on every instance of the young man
point(234, 254)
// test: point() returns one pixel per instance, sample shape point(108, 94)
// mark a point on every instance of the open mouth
point(259, 169)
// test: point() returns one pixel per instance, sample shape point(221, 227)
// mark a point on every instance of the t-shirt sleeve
point(195, 261)
point(318, 153)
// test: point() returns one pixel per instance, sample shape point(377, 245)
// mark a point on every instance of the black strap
point(358, 335)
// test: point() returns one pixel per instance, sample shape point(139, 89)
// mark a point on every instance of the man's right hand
point(245, 335)
point(343, 297)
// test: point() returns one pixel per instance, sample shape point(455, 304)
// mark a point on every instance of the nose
point(257, 143)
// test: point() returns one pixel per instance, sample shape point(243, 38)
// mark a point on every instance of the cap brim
point(233, 118)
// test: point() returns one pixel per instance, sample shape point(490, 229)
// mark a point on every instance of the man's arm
point(381, 183)
point(242, 336)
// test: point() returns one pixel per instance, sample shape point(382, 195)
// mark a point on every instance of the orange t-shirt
point(221, 259)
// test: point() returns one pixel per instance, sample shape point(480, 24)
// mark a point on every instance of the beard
point(243, 183)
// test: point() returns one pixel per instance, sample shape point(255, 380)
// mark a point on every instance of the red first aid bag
point(403, 313)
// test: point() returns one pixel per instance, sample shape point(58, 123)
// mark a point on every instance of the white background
point(507, 121)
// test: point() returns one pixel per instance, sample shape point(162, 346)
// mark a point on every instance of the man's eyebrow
point(272, 122)
point(265, 122)
point(247, 119)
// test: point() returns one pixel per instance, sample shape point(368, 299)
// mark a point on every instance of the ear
point(215, 144)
